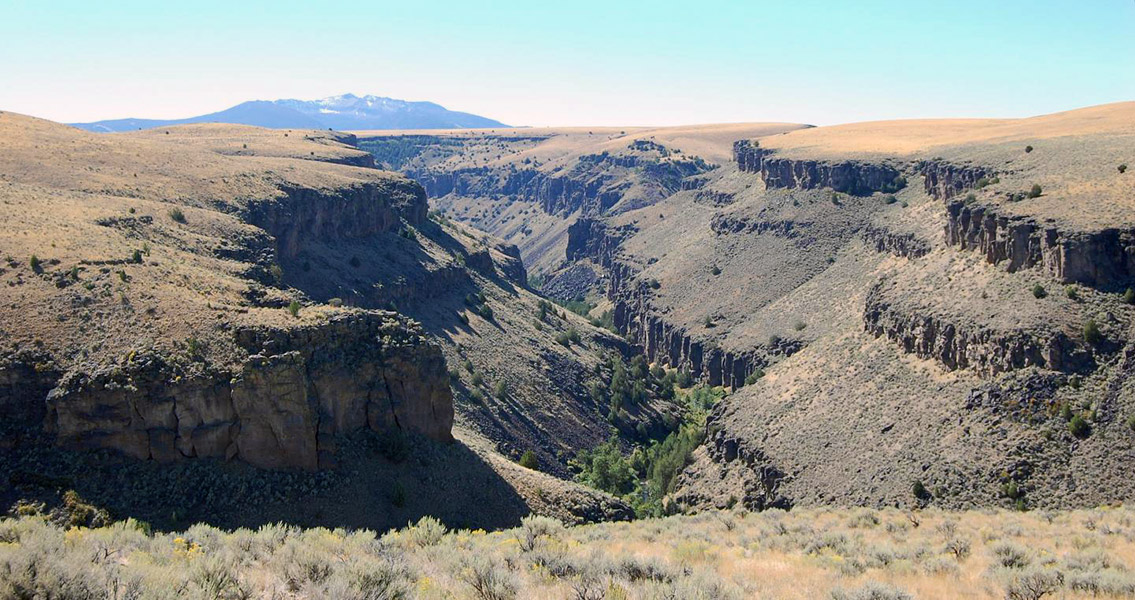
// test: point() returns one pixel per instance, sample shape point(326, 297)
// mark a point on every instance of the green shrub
point(1129, 296)
point(890, 199)
point(294, 308)
point(136, 257)
point(528, 460)
point(427, 532)
point(478, 379)
point(501, 390)
point(177, 215)
point(716, 270)
point(486, 312)
point(1035, 192)
point(754, 376)
point(1028, 149)
point(1122, 168)
point(919, 490)
point(1039, 291)
point(1079, 427)
point(1092, 333)
point(1131, 422)
point(35, 264)
point(1071, 292)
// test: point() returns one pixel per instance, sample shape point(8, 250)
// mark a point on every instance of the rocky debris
point(754, 478)
point(944, 180)
point(1102, 259)
point(714, 197)
point(302, 215)
point(967, 345)
point(850, 177)
point(906, 245)
point(724, 224)
point(575, 281)
point(278, 409)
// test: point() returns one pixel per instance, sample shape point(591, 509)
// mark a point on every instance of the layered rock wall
point(960, 344)
point(850, 177)
point(280, 408)
point(302, 215)
point(1103, 259)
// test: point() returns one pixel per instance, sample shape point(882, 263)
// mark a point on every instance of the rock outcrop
point(906, 245)
point(967, 345)
point(1103, 259)
point(280, 408)
point(944, 180)
point(302, 215)
point(849, 176)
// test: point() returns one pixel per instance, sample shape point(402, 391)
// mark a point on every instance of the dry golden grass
point(802, 554)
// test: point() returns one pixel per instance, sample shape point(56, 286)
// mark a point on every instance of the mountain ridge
point(345, 111)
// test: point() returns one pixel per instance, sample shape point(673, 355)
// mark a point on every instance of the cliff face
point(280, 407)
point(944, 180)
point(1103, 259)
point(302, 215)
point(959, 344)
point(850, 177)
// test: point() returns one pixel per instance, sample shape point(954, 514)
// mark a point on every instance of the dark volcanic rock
point(1103, 259)
point(850, 177)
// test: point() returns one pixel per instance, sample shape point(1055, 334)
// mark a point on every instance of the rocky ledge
point(301, 215)
point(966, 345)
point(1103, 259)
point(279, 408)
point(849, 176)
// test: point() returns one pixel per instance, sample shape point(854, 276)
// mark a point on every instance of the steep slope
point(161, 303)
point(906, 312)
point(347, 111)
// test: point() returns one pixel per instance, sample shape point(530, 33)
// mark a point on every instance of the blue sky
point(573, 63)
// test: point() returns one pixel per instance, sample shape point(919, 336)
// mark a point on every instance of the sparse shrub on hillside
point(716, 270)
point(294, 308)
point(467, 364)
point(35, 264)
point(919, 490)
point(1039, 291)
point(1071, 292)
point(1035, 191)
point(488, 579)
point(1011, 555)
point(477, 379)
point(708, 322)
point(1033, 584)
point(1092, 334)
point(177, 215)
point(335, 302)
point(1028, 149)
point(1122, 168)
point(754, 376)
point(136, 257)
point(872, 591)
point(1129, 296)
point(486, 312)
point(1079, 427)
point(501, 390)
point(427, 532)
point(654, 284)
point(890, 199)
point(528, 460)
point(799, 325)
point(534, 528)
point(1131, 422)
point(960, 547)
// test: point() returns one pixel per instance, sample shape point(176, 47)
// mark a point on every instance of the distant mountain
point(336, 112)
